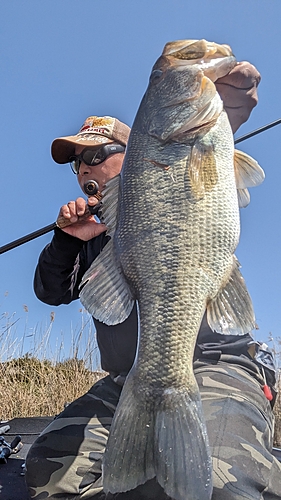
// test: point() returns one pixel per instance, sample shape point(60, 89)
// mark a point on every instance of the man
point(235, 374)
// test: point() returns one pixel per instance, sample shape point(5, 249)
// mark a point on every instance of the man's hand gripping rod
point(91, 188)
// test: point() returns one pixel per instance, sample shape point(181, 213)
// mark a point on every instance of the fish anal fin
point(231, 312)
point(202, 169)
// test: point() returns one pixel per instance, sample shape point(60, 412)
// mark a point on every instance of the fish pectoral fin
point(105, 293)
point(248, 173)
point(231, 311)
point(243, 197)
point(165, 438)
point(202, 169)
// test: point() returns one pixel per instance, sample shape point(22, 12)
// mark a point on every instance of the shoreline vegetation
point(40, 382)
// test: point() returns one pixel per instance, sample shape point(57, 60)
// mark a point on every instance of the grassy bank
point(31, 387)
point(42, 380)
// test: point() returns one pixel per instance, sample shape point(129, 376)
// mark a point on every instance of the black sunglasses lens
point(93, 157)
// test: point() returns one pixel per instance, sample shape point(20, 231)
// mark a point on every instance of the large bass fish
point(172, 249)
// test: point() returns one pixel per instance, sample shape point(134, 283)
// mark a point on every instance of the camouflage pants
point(65, 461)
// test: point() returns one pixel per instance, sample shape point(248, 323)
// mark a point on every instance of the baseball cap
point(95, 131)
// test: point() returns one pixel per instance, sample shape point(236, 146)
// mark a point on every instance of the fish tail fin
point(166, 440)
point(181, 447)
point(231, 311)
point(248, 173)
point(128, 459)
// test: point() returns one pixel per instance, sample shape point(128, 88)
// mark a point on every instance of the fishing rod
point(91, 188)
point(257, 131)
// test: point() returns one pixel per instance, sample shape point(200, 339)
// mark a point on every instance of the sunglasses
point(93, 157)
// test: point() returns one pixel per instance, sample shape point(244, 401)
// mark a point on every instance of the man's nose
point(84, 169)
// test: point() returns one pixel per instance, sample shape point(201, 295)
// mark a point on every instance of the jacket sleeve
point(60, 269)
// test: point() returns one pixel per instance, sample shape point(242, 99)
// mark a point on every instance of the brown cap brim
point(64, 147)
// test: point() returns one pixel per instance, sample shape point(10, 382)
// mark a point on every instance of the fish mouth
point(193, 103)
point(215, 60)
point(196, 50)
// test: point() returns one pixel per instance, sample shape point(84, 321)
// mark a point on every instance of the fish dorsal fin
point(202, 169)
point(231, 311)
point(105, 293)
point(109, 205)
point(248, 173)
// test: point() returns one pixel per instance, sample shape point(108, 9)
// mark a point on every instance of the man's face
point(100, 173)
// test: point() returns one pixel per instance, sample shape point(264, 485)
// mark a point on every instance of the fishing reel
point(91, 188)
point(7, 449)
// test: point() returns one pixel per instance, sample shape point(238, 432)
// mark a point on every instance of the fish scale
point(172, 249)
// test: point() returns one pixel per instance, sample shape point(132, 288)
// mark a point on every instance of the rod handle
point(62, 222)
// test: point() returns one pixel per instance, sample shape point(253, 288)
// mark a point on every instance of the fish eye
point(156, 75)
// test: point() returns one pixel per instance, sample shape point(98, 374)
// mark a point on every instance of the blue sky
point(64, 60)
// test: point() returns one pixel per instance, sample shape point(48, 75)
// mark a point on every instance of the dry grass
point(36, 388)
point(39, 382)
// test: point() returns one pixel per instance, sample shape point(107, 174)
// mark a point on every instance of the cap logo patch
point(94, 130)
point(97, 121)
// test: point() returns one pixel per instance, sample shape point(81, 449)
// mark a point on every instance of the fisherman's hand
point(238, 91)
point(75, 219)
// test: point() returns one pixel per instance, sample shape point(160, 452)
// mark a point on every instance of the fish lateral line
point(158, 164)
